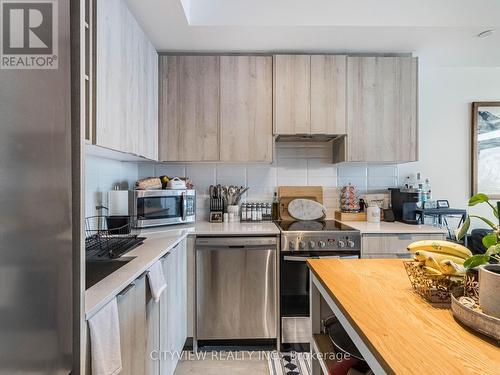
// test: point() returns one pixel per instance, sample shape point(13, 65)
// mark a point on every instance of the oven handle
point(304, 259)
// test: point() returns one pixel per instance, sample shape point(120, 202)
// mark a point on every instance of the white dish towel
point(157, 282)
point(105, 347)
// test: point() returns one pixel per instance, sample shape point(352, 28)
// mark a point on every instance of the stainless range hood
point(307, 137)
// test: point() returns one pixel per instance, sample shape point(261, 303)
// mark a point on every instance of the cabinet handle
point(143, 274)
point(166, 255)
point(126, 290)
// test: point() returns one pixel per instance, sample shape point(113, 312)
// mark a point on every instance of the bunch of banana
point(440, 257)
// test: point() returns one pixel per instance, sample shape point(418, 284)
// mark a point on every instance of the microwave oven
point(151, 208)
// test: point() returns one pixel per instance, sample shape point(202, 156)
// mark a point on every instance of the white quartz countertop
point(160, 241)
point(204, 228)
point(395, 228)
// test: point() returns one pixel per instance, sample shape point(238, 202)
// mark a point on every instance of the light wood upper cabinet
point(189, 113)
point(382, 109)
point(126, 83)
point(310, 94)
point(328, 94)
point(292, 94)
point(246, 122)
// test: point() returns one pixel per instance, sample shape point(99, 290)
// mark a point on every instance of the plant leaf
point(478, 198)
point(462, 231)
point(476, 260)
point(490, 240)
point(493, 226)
point(493, 250)
point(495, 210)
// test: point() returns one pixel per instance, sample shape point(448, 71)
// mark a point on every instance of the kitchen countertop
point(396, 227)
point(404, 334)
point(159, 241)
point(205, 228)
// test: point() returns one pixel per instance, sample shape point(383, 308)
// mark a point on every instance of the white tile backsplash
point(295, 164)
point(352, 170)
point(382, 170)
point(102, 175)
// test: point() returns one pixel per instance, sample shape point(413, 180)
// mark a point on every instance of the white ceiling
point(440, 32)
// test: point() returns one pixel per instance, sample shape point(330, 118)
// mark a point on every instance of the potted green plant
point(488, 263)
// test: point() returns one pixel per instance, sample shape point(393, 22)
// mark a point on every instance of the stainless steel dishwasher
point(236, 288)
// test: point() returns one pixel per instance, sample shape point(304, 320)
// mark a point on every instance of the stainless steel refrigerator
point(36, 217)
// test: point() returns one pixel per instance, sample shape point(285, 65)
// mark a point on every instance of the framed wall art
point(486, 148)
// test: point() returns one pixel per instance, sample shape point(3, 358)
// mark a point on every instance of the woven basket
point(435, 289)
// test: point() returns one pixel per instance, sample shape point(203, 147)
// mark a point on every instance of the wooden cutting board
point(288, 193)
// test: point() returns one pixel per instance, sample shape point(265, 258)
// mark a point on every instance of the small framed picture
point(443, 204)
point(216, 216)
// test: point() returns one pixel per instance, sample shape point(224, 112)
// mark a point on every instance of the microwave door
point(151, 208)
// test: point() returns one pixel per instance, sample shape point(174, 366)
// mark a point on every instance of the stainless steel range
point(301, 240)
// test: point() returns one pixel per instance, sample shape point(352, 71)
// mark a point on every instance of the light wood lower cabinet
point(153, 334)
point(173, 309)
point(391, 245)
point(133, 327)
point(167, 319)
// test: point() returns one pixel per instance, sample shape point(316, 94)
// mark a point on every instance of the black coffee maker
point(404, 204)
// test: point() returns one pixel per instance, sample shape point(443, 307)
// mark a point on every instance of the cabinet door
point(246, 120)
point(382, 109)
point(167, 364)
point(189, 108)
point(126, 83)
point(392, 245)
point(148, 96)
point(191, 272)
point(328, 94)
point(133, 327)
point(153, 316)
point(180, 299)
point(173, 309)
point(292, 94)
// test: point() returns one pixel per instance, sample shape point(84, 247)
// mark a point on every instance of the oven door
point(294, 293)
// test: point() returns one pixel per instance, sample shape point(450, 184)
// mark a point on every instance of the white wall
point(446, 94)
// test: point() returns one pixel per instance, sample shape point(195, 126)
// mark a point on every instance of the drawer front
point(392, 243)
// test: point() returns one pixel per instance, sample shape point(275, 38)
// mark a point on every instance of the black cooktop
point(313, 226)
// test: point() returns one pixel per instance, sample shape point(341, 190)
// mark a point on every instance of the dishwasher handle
point(235, 242)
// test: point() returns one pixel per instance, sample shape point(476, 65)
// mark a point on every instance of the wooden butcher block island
point(394, 329)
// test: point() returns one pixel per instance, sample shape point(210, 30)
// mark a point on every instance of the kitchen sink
point(97, 270)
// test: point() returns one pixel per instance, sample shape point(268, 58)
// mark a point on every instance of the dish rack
point(107, 237)
point(435, 289)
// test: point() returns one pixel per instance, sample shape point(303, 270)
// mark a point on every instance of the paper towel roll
point(118, 202)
